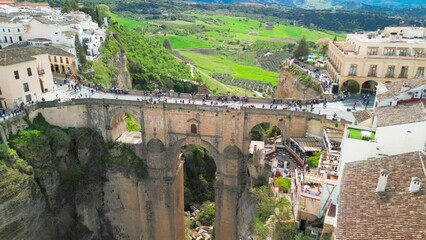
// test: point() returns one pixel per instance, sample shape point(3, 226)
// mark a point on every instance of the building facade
point(366, 59)
point(12, 30)
point(23, 79)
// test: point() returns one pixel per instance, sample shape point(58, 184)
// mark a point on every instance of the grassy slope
point(213, 64)
point(128, 22)
point(185, 42)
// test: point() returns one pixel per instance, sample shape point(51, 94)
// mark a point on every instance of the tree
point(302, 49)
point(79, 49)
point(353, 87)
point(69, 5)
point(335, 38)
point(102, 11)
point(167, 45)
point(322, 46)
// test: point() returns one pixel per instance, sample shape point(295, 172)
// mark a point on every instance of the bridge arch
point(278, 121)
point(174, 151)
point(117, 124)
point(228, 164)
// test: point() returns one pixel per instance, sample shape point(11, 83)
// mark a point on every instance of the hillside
point(150, 65)
point(322, 4)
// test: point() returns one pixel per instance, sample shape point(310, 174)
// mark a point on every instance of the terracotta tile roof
point(395, 214)
point(16, 53)
point(392, 89)
point(6, 2)
point(361, 116)
point(13, 56)
point(401, 114)
point(33, 4)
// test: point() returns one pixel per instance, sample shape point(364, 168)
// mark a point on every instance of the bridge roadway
point(64, 94)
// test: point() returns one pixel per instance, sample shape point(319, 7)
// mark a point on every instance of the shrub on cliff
point(123, 157)
point(33, 146)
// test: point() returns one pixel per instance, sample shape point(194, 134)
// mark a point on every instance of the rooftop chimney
point(415, 185)
point(383, 177)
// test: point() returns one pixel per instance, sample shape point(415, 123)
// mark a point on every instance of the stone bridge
point(224, 132)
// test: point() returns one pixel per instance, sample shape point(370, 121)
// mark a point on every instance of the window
point(389, 52)
point(0, 92)
point(372, 51)
point(418, 53)
point(16, 74)
point(352, 70)
point(26, 87)
point(55, 59)
point(29, 72)
point(19, 30)
point(5, 39)
point(56, 32)
point(66, 60)
point(8, 29)
point(404, 72)
point(20, 38)
point(403, 52)
point(60, 58)
point(420, 72)
point(390, 73)
point(28, 97)
point(3, 29)
point(372, 72)
point(193, 128)
point(11, 39)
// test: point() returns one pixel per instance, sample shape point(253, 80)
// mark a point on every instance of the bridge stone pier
point(225, 133)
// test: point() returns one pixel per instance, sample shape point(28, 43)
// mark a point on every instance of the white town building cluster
point(37, 43)
point(39, 24)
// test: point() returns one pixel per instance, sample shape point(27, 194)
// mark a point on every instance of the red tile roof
point(395, 214)
point(2, 2)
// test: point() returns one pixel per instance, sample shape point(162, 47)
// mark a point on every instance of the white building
point(12, 29)
point(38, 21)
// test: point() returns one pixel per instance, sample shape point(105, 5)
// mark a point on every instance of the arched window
point(193, 128)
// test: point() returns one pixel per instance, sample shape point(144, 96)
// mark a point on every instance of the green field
point(214, 64)
point(212, 31)
point(128, 22)
point(227, 38)
point(185, 42)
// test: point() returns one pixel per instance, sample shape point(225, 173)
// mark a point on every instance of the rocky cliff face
point(68, 185)
point(288, 86)
point(122, 79)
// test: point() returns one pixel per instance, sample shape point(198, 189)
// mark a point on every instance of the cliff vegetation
point(51, 183)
